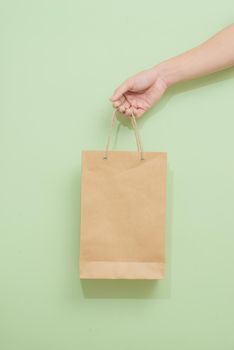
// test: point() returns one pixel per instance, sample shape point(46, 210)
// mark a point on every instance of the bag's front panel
point(122, 215)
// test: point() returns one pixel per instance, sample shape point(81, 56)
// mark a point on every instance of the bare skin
point(140, 92)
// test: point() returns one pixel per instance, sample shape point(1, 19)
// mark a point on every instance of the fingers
point(118, 93)
point(124, 107)
point(127, 107)
point(119, 102)
point(121, 105)
point(138, 112)
point(124, 101)
point(131, 106)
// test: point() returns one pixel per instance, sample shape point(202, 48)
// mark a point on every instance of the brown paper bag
point(123, 199)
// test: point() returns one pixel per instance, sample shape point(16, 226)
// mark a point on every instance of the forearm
point(215, 54)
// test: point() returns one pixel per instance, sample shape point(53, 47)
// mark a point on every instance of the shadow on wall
point(134, 289)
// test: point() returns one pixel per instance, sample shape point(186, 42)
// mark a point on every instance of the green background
point(60, 62)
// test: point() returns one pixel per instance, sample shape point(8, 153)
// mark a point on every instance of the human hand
point(140, 92)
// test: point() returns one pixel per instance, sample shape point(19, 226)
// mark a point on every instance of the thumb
point(127, 85)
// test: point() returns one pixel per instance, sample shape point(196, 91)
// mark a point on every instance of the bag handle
point(137, 135)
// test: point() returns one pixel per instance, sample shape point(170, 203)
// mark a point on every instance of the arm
point(138, 93)
point(213, 55)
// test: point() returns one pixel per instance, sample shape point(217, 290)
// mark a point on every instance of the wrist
point(170, 71)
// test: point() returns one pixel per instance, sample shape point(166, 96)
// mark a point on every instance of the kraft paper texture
point(123, 212)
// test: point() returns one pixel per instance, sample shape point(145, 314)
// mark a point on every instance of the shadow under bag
point(123, 212)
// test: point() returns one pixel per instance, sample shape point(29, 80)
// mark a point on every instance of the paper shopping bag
point(123, 212)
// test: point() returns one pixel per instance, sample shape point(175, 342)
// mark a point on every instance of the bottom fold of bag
point(121, 270)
